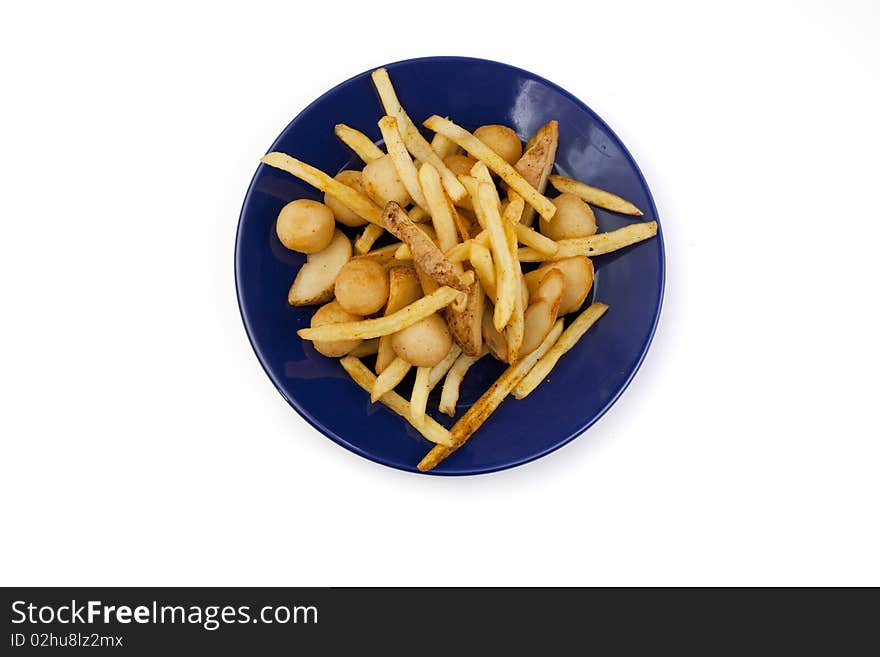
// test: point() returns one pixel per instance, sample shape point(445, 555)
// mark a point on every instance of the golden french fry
point(358, 203)
point(361, 375)
point(402, 161)
point(426, 255)
point(415, 142)
point(480, 151)
point(418, 400)
point(418, 215)
point(513, 211)
point(364, 243)
point(439, 207)
point(459, 252)
point(595, 196)
point(440, 369)
point(357, 141)
point(531, 237)
point(488, 402)
point(452, 383)
point(594, 245)
point(379, 326)
point(365, 348)
point(565, 342)
point(442, 146)
point(481, 260)
point(506, 279)
point(383, 255)
point(516, 327)
point(537, 161)
point(389, 378)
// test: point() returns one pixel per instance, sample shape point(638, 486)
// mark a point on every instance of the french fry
point(403, 289)
point(418, 215)
point(452, 383)
point(537, 161)
point(365, 241)
point(415, 142)
point(488, 402)
point(361, 375)
point(439, 207)
point(379, 326)
point(481, 260)
point(531, 237)
point(516, 327)
point(440, 369)
point(594, 245)
point(383, 255)
point(480, 151)
point(365, 348)
point(389, 378)
point(595, 196)
point(357, 141)
point(358, 203)
point(513, 211)
point(460, 222)
point(426, 255)
point(442, 146)
point(418, 400)
point(459, 252)
point(472, 185)
point(402, 161)
point(566, 341)
point(506, 279)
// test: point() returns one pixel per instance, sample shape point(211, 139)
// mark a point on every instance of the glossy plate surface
point(586, 381)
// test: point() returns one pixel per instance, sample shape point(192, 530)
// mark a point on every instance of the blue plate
point(586, 381)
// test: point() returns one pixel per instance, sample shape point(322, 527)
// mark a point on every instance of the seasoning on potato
point(305, 226)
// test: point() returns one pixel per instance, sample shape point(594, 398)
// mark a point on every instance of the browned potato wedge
point(551, 286)
point(537, 162)
point(467, 326)
point(539, 319)
point(578, 274)
point(316, 278)
point(495, 341)
point(403, 289)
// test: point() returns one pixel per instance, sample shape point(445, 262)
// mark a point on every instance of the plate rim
point(304, 413)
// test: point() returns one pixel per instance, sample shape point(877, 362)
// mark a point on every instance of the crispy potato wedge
point(480, 151)
point(314, 282)
point(466, 325)
point(594, 245)
point(566, 341)
point(361, 375)
point(357, 141)
point(379, 326)
point(577, 273)
point(452, 383)
point(539, 319)
point(358, 203)
point(494, 340)
point(389, 378)
point(489, 401)
point(595, 196)
point(365, 241)
point(415, 142)
point(537, 161)
point(403, 289)
point(407, 171)
point(426, 255)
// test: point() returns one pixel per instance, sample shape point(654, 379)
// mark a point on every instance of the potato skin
point(333, 313)
point(425, 343)
point(362, 286)
point(382, 183)
point(502, 140)
point(573, 218)
point(343, 215)
point(306, 226)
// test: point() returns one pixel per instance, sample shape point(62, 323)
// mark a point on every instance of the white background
point(143, 444)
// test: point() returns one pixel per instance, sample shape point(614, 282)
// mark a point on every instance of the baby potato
point(573, 218)
point(341, 212)
point(578, 274)
point(537, 322)
point(460, 165)
point(333, 313)
point(425, 343)
point(362, 286)
point(305, 226)
point(382, 183)
point(502, 140)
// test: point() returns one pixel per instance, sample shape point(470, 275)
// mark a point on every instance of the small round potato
point(460, 165)
point(425, 343)
point(341, 212)
point(333, 313)
point(306, 226)
point(502, 140)
point(573, 218)
point(382, 183)
point(362, 286)
point(578, 274)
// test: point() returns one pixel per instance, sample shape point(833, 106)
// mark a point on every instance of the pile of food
point(453, 288)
